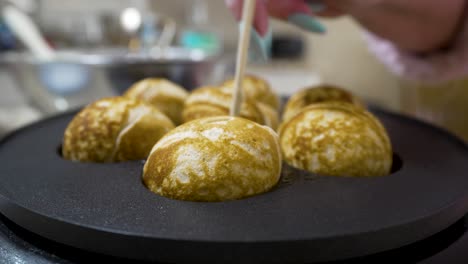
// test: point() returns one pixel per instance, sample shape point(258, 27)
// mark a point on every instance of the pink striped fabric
point(440, 66)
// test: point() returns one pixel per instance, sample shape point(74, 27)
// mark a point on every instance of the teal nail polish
point(316, 6)
point(307, 22)
point(260, 47)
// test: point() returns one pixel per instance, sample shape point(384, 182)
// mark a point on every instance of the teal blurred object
point(198, 32)
point(260, 47)
point(200, 39)
point(307, 22)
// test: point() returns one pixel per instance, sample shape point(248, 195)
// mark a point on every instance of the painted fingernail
point(316, 5)
point(261, 46)
point(307, 22)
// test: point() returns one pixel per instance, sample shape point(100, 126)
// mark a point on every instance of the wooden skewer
point(242, 52)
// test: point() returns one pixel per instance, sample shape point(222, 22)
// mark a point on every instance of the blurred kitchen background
point(100, 47)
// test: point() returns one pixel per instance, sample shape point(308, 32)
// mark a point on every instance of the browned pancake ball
point(114, 129)
point(317, 94)
point(336, 138)
point(257, 89)
point(214, 159)
point(165, 95)
point(270, 115)
point(211, 101)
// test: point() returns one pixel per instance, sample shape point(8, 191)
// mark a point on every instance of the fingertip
point(261, 18)
point(303, 8)
point(236, 7)
point(307, 22)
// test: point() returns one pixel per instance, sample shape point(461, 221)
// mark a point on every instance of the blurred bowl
point(76, 77)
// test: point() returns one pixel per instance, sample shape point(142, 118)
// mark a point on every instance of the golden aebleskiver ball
point(214, 159)
point(270, 115)
point(317, 94)
point(255, 88)
point(336, 138)
point(114, 129)
point(165, 95)
point(211, 101)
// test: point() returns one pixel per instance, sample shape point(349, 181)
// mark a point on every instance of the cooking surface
point(20, 246)
point(104, 207)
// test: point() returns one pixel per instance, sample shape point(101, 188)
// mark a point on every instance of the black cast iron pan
point(105, 208)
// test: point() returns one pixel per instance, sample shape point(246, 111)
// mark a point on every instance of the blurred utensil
point(168, 33)
point(26, 31)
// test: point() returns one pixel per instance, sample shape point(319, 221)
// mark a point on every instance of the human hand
point(297, 12)
point(417, 25)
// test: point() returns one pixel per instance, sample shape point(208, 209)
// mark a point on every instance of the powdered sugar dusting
point(248, 148)
point(189, 162)
point(213, 134)
point(173, 138)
